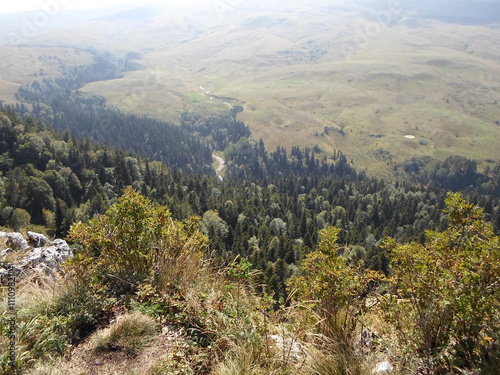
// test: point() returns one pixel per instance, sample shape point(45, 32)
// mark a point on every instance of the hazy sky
point(54, 6)
point(9, 6)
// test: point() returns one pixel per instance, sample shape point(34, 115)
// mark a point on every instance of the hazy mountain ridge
point(477, 12)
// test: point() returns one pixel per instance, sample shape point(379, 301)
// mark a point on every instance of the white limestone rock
point(48, 259)
point(4, 253)
point(286, 343)
point(15, 240)
point(383, 368)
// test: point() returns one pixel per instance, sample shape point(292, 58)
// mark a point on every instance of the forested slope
point(272, 215)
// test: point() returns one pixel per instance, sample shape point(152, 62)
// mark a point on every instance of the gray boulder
point(43, 259)
point(37, 239)
point(15, 240)
point(294, 350)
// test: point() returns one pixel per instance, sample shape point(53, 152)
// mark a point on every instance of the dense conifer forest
point(269, 208)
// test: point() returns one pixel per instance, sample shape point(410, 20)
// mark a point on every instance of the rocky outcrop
point(4, 253)
point(37, 239)
point(14, 240)
point(48, 259)
point(45, 259)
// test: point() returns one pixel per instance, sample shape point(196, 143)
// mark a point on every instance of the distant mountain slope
point(356, 76)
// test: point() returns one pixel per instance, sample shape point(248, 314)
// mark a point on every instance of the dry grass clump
point(335, 361)
point(131, 333)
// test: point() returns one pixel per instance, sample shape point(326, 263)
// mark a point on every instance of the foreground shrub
point(136, 240)
point(333, 289)
point(446, 299)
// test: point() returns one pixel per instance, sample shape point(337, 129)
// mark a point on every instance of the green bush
point(334, 289)
point(20, 218)
point(137, 241)
point(446, 296)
